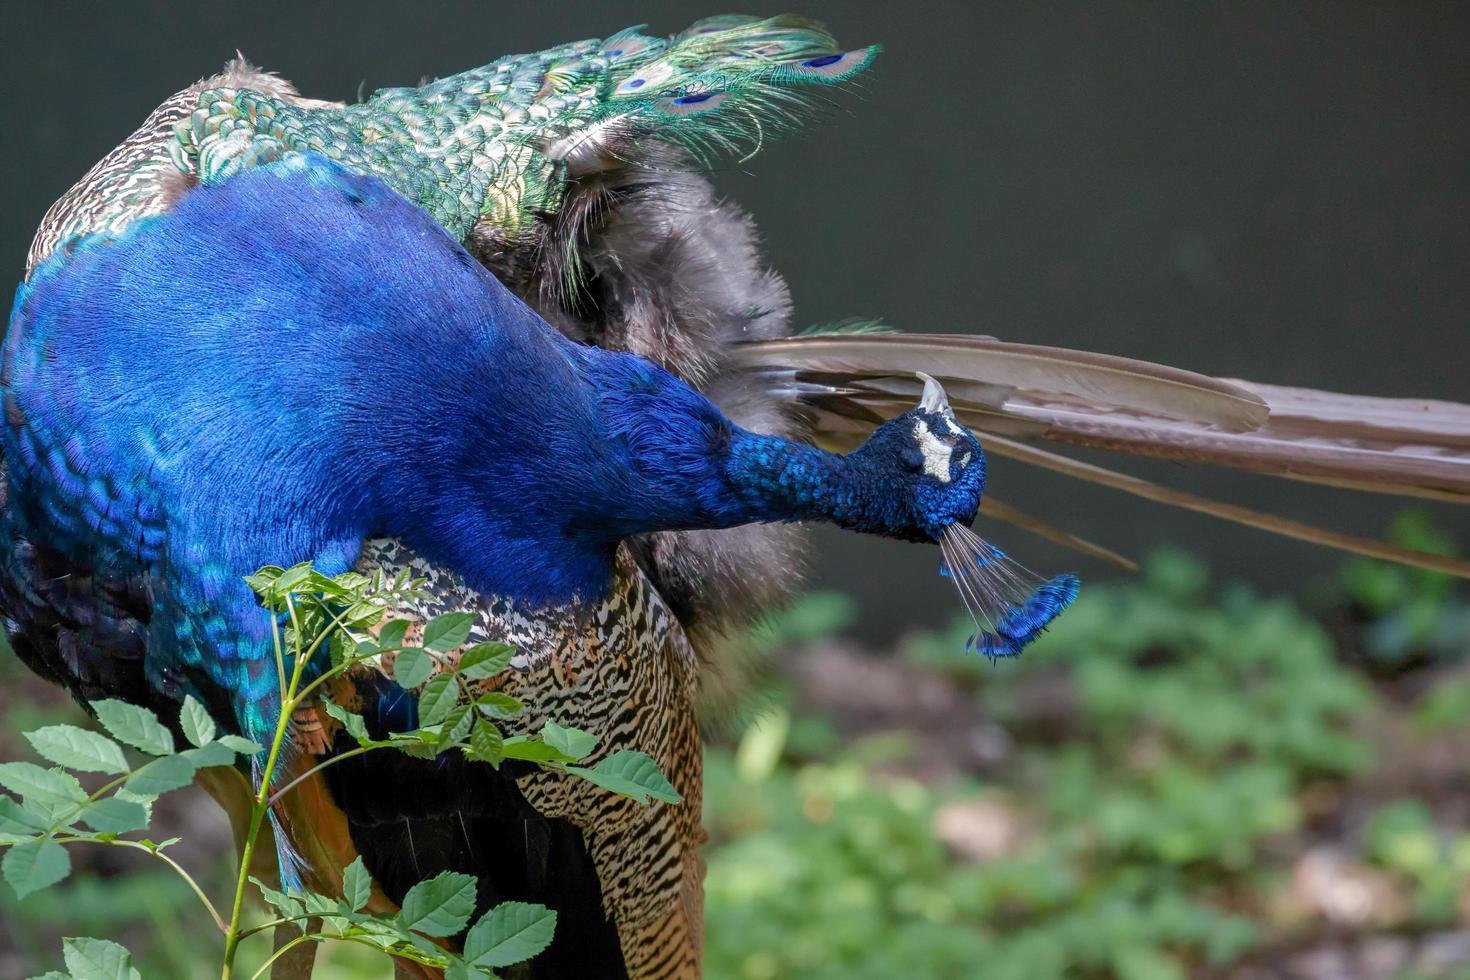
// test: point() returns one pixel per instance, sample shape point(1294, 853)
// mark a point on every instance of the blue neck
point(530, 496)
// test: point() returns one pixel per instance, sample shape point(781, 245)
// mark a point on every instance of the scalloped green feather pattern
point(495, 146)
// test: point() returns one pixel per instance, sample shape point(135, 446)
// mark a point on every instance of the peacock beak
point(934, 399)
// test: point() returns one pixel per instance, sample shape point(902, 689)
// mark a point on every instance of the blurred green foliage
point(1408, 612)
point(1195, 721)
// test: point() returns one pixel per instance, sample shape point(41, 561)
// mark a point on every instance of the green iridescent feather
point(495, 146)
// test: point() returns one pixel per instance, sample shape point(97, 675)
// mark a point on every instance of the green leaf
point(485, 660)
point(244, 746)
point(486, 744)
point(16, 819)
point(571, 742)
point(440, 906)
point(354, 724)
point(510, 933)
point(351, 581)
point(162, 775)
point(357, 884)
point(126, 794)
point(411, 667)
point(361, 615)
point(392, 634)
point(52, 975)
point(340, 647)
point(498, 706)
point(333, 913)
point(79, 749)
point(534, 750)
point(292, 579)
point(134, 726)
point(195, 721)
point(444, 633)
point(455, 727)
point(51, 814)
point(97, 959)
point(35, 865)
point(631, 774)
point(49, 787)
point(114, 816)
point(287, 905)
point(437, 698)
point(213, 754)
point(263, 582)
point(421, 743)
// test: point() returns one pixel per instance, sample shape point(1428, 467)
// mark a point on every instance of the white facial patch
point(936, 451)
point(959, 433)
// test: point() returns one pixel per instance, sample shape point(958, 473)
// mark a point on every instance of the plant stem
point(327, 675)
point(291, 697)
point(275, 797)
point(261, 807)
point(280, 657)
point(282, 952)
point(140, 846)
point(297, 697)
point(92, 798)
point(287, 920)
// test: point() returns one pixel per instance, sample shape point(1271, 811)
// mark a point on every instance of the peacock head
point(931, 467)
point(941, 467)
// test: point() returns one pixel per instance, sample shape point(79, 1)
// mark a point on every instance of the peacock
point(499, 332)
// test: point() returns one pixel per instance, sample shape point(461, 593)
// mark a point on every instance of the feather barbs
point(1010, 605)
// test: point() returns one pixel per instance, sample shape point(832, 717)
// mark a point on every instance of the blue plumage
point(1011, 605)
point(299, 359)
point(1024, 621)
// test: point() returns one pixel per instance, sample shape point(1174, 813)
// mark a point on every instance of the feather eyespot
point(694, 103)
point(622, 47)
point(833, 67)
point(650, 76)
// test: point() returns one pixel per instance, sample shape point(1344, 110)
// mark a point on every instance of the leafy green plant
point(1408, 611)
point(1402, 837)
point(321, 627)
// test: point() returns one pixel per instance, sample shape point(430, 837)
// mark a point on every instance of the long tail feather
point(1016, 517)
point(1230, 512)
point(1411, 447)
point(887, 363)
point(1009, 392)
point(1375, 448)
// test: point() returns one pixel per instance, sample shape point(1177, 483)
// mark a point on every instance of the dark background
point(1263, 191)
